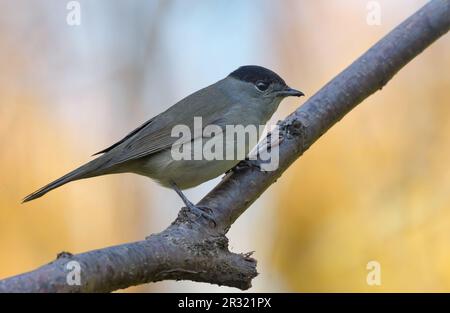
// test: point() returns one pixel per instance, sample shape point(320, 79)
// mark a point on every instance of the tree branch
point(194, 249)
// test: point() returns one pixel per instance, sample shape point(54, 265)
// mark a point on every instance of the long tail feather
point(87, 170)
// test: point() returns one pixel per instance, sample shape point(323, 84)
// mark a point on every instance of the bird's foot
point(244, 164)
point(199, 211)
point(202, 211)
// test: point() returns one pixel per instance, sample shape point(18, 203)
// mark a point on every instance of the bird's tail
point(87, 170)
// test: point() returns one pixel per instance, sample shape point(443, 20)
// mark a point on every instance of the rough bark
point(192, 247)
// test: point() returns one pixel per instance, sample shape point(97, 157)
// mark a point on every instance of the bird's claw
point(247, 163)
point(198, 211)
point(202, 211)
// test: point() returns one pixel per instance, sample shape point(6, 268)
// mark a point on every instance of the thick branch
point(187, 249)
point(191, 248)
point(367, 74)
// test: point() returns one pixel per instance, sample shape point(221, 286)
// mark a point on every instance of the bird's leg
point(247, 163)
point(205, 212)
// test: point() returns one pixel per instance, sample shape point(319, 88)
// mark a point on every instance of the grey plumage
point(146, 150)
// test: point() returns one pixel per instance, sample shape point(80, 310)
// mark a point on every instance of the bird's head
point(261, 83)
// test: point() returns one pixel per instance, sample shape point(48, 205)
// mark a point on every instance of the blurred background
point(376, 187)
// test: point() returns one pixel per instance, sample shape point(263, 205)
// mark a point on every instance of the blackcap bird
point(248, 96)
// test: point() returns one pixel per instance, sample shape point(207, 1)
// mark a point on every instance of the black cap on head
point(254, 73)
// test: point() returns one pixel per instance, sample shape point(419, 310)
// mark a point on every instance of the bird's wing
point(155, 135)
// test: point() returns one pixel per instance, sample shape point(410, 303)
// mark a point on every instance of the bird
point(247, 96)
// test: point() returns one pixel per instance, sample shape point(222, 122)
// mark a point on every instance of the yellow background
point(376, 187)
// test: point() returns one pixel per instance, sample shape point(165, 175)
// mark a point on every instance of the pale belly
point(190, 172)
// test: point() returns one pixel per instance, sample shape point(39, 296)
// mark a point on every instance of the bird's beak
point(290, 92)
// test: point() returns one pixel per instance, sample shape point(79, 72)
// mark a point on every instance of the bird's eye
point(262, 86)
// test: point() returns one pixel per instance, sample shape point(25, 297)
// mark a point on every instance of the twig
point(191, 248)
